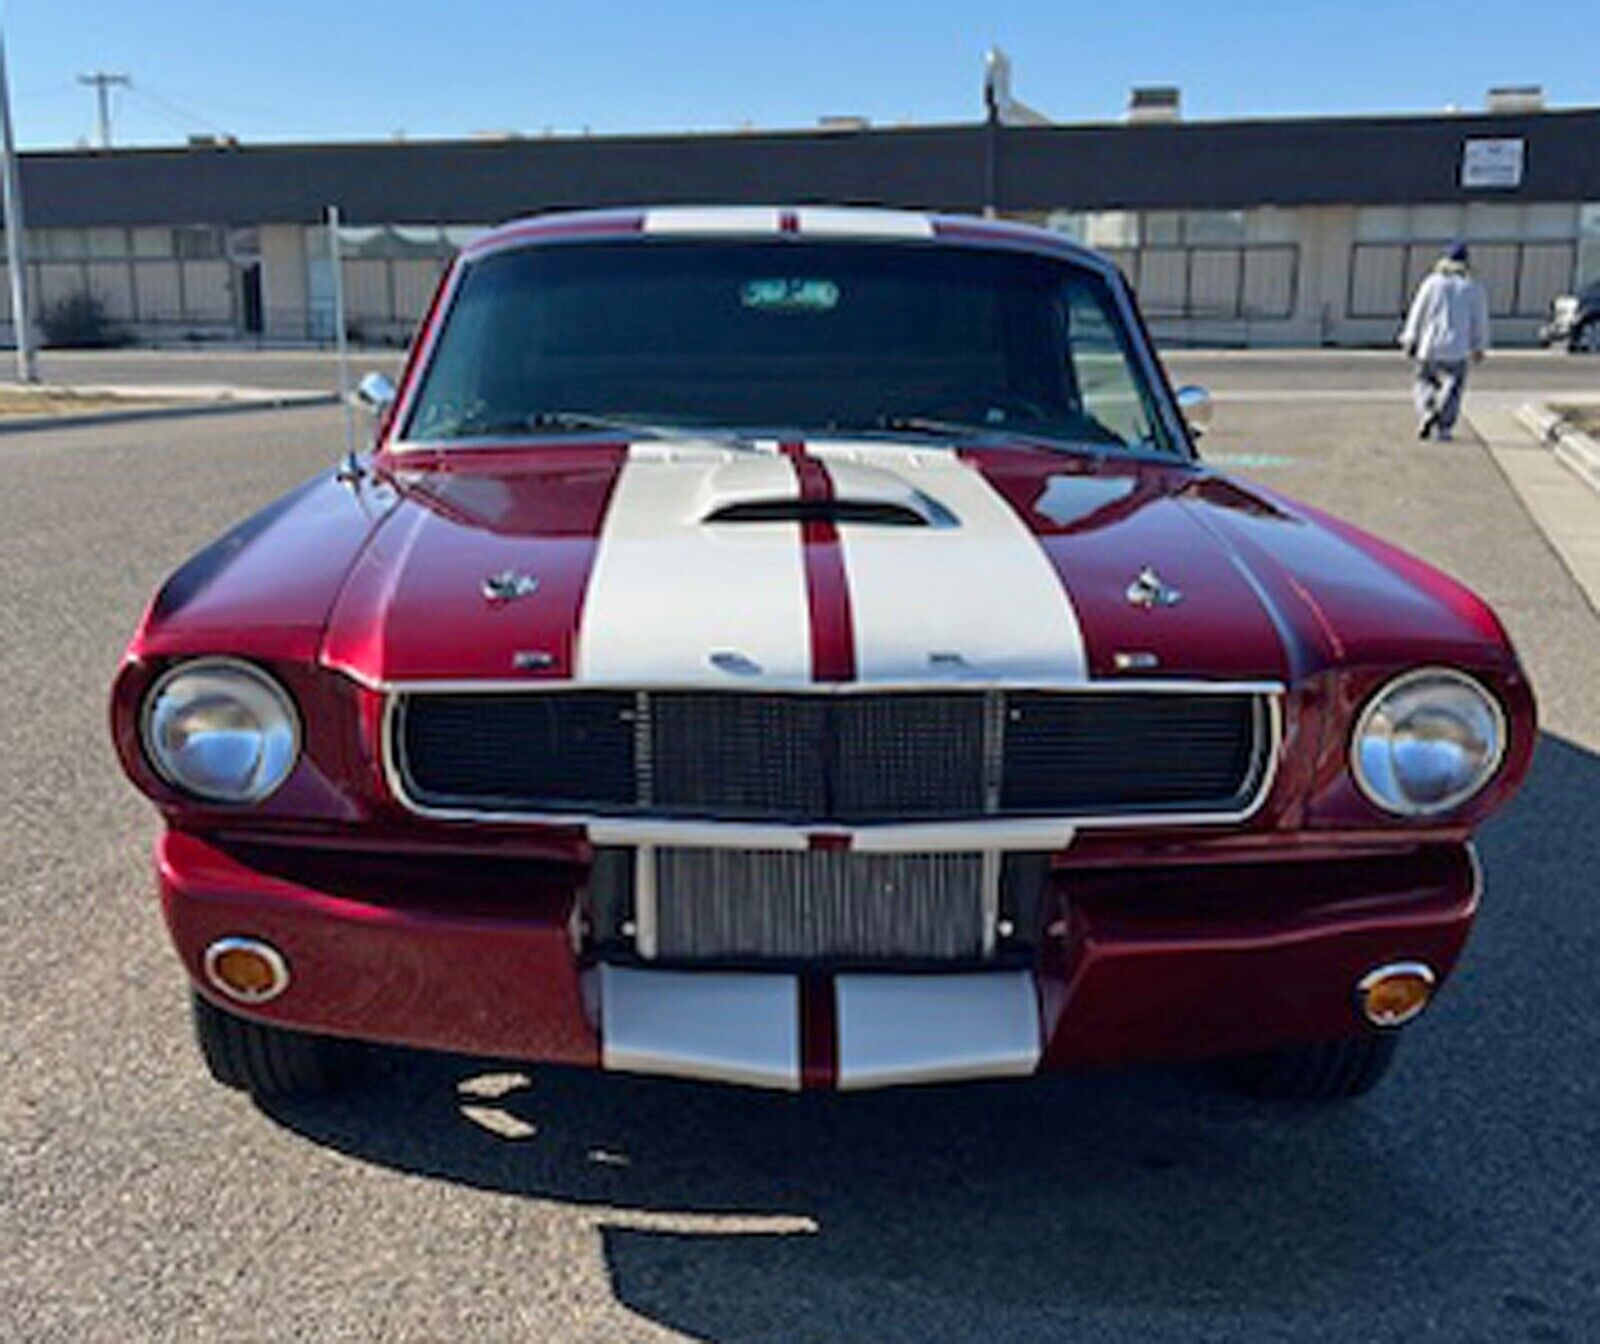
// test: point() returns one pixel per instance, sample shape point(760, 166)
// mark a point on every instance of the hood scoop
point(861, 495)
point(867, 512)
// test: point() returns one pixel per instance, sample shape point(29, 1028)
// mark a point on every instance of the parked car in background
point(1575, 321)
point(805, 648)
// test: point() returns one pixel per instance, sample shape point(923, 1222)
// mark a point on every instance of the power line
point(103, 82)
point(175, 112)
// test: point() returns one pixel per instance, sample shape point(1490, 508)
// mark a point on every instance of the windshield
point(785, 335)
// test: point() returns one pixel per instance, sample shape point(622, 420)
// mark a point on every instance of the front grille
point(796, 757)
point(729, 904)
point(734, 907)
point(850, 758)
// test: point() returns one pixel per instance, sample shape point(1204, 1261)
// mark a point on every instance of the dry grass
point(33, 402)
point(1585, 418)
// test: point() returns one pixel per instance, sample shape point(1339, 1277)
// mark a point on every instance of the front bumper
point(485, 956)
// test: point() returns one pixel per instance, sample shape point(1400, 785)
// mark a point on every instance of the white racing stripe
point(817, 221)
point(671, 600)
point(716, 219)
point(837, 222)
point(976, 601)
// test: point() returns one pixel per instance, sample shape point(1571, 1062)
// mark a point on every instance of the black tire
point(1585, 338)
point(269, 1061)
point(1325, 1071)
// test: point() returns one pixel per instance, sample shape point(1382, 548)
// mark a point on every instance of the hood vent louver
point(922, 512)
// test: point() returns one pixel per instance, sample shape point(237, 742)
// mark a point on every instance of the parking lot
point(470, 1199)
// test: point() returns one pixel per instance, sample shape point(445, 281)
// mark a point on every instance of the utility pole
point(16, 255)
point(996, 74)
point(103, 82)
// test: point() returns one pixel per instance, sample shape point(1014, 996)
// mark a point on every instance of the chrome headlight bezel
point(1382, 698)
point(286, 730)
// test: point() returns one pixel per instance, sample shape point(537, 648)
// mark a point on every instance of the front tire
point(268, 1061)
point(1324, 1071)
point(1586, 339)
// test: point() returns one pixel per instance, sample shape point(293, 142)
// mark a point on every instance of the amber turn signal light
point(246, 969)
point(1390, 996)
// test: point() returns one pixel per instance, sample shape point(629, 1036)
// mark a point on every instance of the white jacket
point(1449, 318)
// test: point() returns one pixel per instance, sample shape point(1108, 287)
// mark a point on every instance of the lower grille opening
point(830, 907)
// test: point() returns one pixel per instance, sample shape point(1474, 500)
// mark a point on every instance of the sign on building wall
point(1492, 164)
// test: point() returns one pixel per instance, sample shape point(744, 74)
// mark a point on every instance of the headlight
point(1427, 742)
point(222, 730)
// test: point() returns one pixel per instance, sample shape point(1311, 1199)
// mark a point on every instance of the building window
point(103, 244)
point(1213, 226)
point(1381, 224)
point(197, 242)
point(1377, 280)
point(1222, 264)
point(1161, 228)
point(1111, 228)
point(152, 243)
point(1443, 222)
point(1588, 243)
point(1523, 253)
point(56, 244)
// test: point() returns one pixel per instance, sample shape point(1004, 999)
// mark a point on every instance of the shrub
point(79, 321)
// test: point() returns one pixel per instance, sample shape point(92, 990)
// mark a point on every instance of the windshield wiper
point(928, 424)
point(579, 421)
point(969, 429)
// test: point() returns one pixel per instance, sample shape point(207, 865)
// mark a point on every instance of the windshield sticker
point(791, 295)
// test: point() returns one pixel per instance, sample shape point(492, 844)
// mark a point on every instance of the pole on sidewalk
point(340, 341)
point(16, 249)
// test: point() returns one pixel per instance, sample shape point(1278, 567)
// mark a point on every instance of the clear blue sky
point(355, 69)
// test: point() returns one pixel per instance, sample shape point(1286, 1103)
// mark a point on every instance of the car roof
point(825, 223)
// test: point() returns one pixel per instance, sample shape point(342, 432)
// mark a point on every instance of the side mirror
point(1194, 404)
point(376, 392)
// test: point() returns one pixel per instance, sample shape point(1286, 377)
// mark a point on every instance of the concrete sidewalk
point(1562, 505)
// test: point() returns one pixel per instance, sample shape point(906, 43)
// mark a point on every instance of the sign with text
point(1493, 164)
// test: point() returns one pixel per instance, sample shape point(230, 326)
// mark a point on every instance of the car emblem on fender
point(508, 585)
point(1149, 591)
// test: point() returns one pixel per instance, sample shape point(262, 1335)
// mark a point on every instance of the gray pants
point(1438, 389)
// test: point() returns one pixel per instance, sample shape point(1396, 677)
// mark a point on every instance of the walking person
point(1446, 331)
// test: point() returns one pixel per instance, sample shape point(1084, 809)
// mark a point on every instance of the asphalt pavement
point(467, 1199)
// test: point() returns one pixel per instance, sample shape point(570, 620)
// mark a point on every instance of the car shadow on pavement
point(734, 1215)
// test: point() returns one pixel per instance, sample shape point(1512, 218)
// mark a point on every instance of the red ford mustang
point(803, 648)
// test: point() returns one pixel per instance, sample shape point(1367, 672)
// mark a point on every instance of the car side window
point(1101, 369)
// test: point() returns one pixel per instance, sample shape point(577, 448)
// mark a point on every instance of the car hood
point(884, 562)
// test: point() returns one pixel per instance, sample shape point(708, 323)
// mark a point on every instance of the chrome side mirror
point(1194, 404)
point(376, 392)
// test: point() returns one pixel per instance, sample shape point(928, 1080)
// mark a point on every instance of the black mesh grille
point(907, 756)
point(572, 751)
point(1119, 751)
point(840, 758)
point(743, 756)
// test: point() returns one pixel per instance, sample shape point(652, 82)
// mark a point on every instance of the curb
point(1574, 449)
point(90, 419)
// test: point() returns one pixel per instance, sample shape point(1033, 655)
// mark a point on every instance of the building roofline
point(961, 168)
point(1467, 118)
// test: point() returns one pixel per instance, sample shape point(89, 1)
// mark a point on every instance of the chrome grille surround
point(652, 820)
